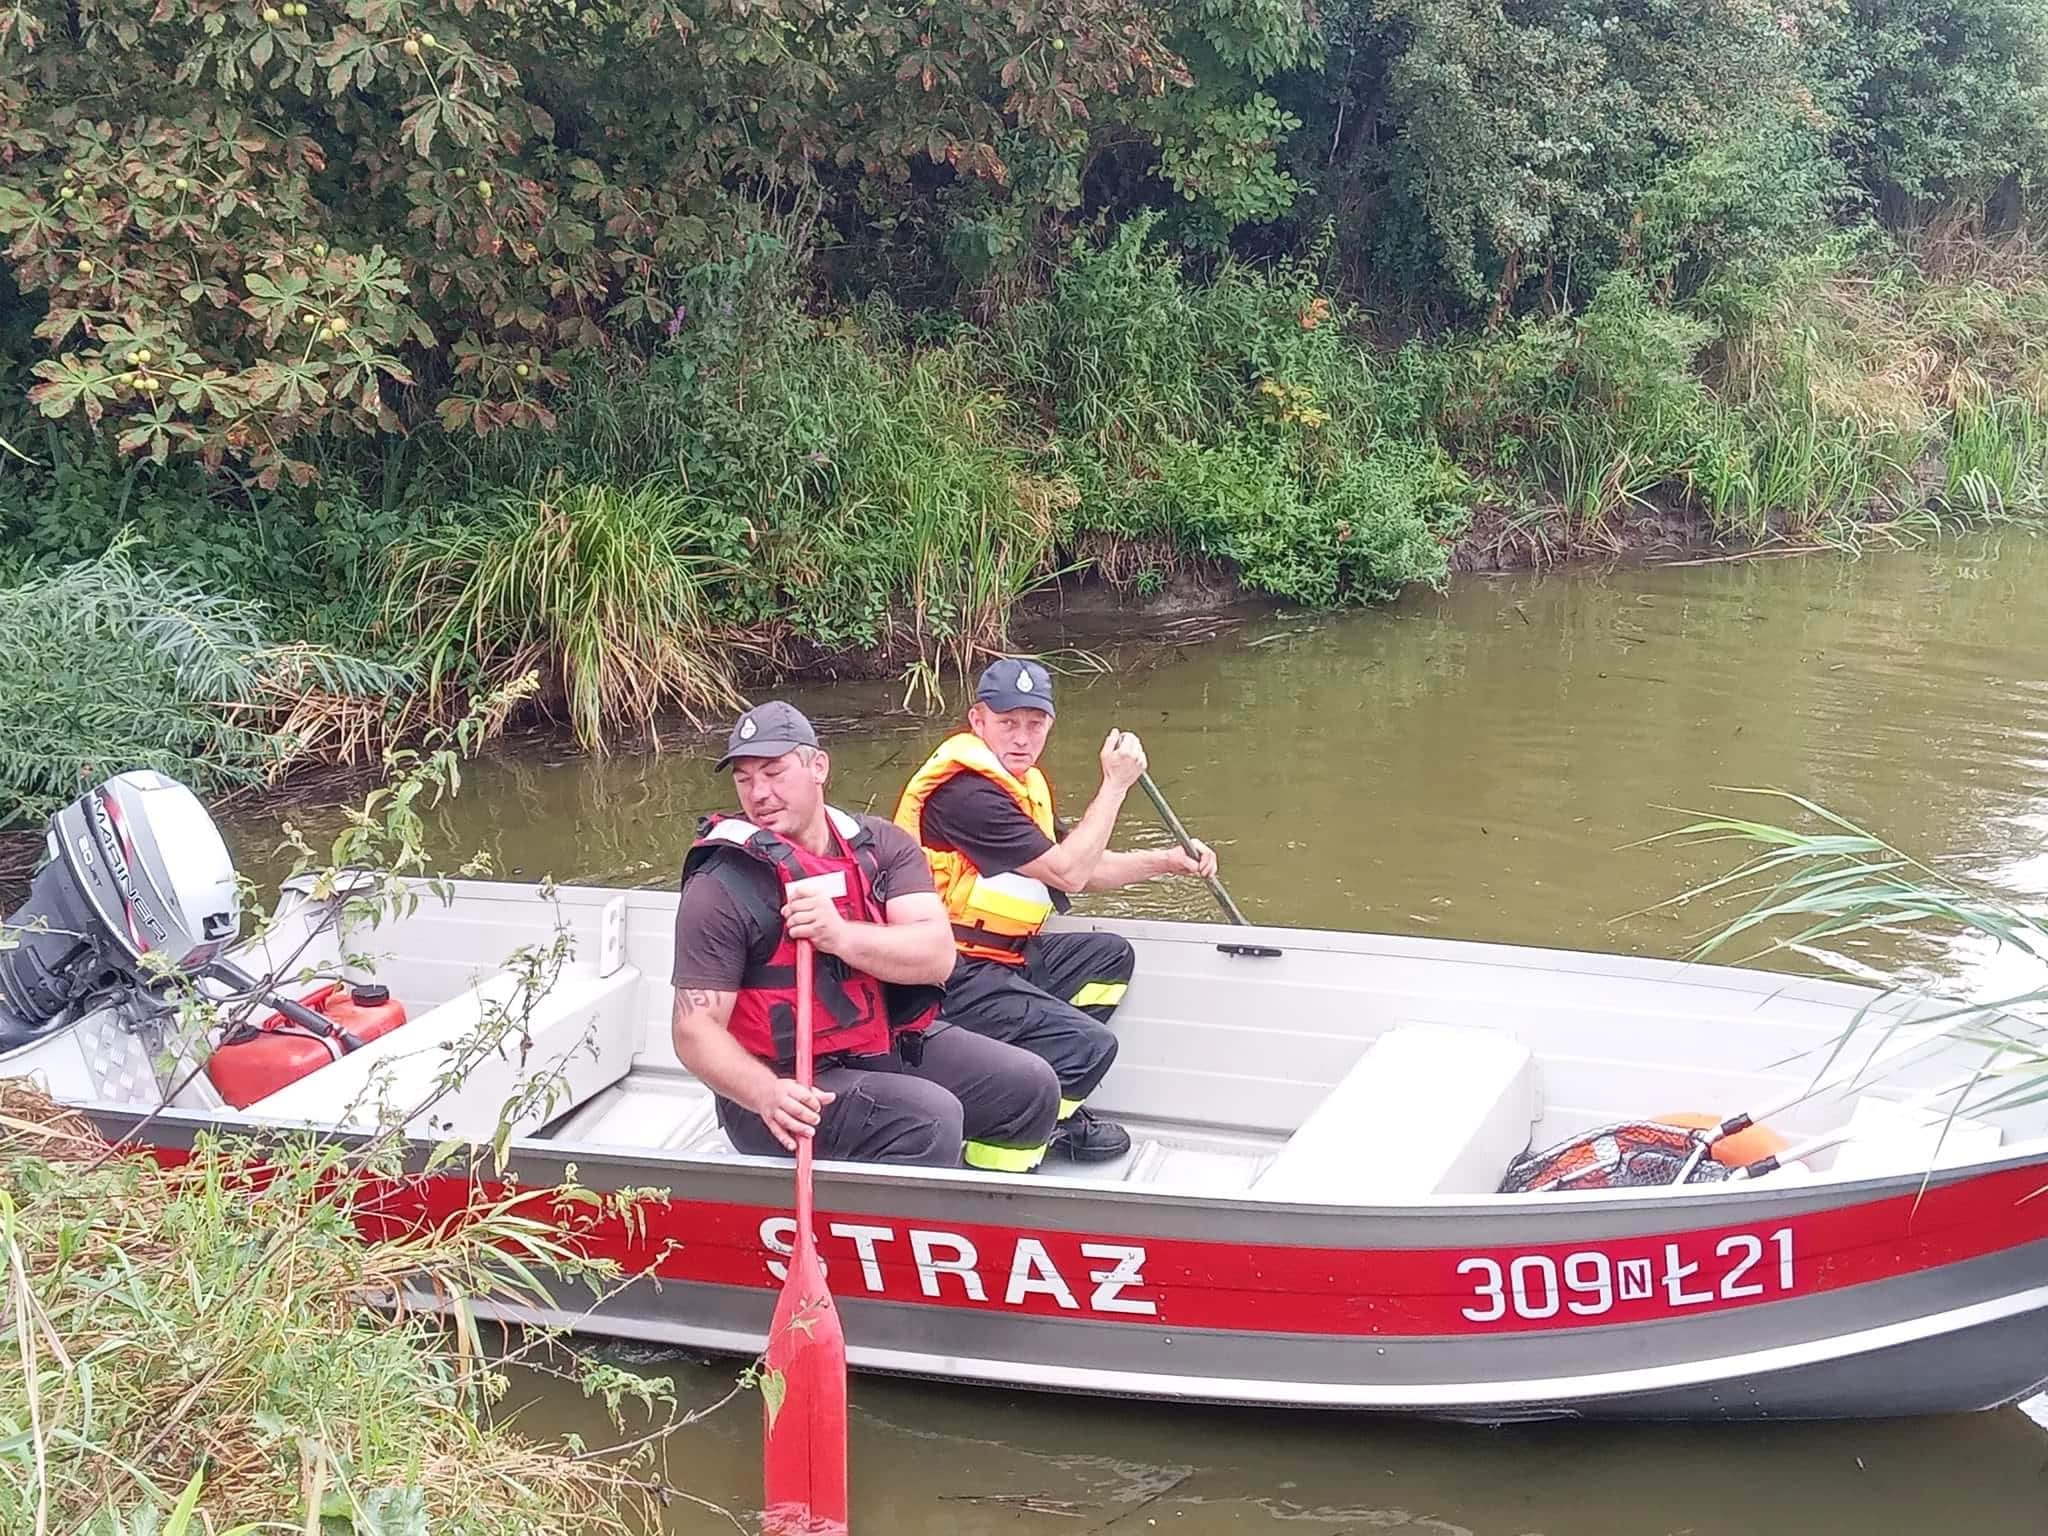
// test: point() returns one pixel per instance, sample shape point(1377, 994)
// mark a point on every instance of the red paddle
point(804, 1443)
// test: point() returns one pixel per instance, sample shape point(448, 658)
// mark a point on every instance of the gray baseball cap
point(1015, 683)
point(767, 730)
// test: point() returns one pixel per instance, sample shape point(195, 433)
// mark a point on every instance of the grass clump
point(207, 1327)
point(883, 496)
point(226, 1339)
point(105, 666)
point(1997, 460)
point(770, 483)
point(1846, 388)
point(593, 586)
point(1818, 889)
point(1593, 414)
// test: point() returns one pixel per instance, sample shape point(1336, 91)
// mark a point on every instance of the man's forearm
point(914, 954)
point(707, 1048)
point(1118, 868)
point(1072, 863)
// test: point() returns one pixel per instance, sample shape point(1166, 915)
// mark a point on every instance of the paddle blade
point(804, 1444)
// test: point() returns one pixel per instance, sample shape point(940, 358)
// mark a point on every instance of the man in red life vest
point(983, 812)
point(891, 1085)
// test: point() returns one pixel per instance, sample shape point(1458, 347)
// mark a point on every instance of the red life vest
point(854, 1014)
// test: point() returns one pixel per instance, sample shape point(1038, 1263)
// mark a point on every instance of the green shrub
point(1944, 101)
point(254, 228)
point(1240, 421)
point(1497, 156)
point(1383, 520)
point(1601, 411)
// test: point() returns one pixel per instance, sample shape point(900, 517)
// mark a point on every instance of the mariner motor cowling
point(137, 883)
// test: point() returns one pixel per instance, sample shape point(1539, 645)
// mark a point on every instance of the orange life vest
point(992, 915)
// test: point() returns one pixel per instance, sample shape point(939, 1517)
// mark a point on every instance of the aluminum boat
point(1308, 1216)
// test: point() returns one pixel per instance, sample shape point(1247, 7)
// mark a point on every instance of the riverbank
point(1199, 601)
point(817, 492)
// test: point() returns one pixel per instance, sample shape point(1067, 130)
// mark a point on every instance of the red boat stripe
point(1240, 1287)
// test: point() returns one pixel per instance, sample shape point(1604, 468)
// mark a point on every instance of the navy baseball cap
point(767, 730)
point(1015, 683)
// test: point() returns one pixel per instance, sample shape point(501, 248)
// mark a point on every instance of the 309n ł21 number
point(1590, 1283)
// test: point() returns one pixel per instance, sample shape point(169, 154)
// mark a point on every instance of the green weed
point(221, 1338)
point(1996, 463)
point(597, 588)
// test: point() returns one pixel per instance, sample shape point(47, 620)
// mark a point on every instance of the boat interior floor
point(1422, 1112)
point(668, 1111)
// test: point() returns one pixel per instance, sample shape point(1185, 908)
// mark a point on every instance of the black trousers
point(1056, 1005)
point(967, 1096)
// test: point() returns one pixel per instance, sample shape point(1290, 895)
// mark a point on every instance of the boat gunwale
point(1212, 934)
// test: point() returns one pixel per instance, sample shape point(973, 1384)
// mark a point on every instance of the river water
point(1484, 764)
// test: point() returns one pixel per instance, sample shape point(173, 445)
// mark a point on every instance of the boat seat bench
point(582, 1029)
point(1428, 1109)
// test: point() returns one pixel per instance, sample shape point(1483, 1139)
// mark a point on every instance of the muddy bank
point(1203, 596)
point(1499, 539)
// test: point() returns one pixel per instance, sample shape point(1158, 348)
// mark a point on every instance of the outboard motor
point(137, 882)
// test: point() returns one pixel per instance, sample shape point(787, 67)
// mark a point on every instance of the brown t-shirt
point(718, 935)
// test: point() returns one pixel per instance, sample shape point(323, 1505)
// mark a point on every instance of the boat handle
point(1251, 951)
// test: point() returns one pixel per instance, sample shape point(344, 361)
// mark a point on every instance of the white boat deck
point(668, 1111)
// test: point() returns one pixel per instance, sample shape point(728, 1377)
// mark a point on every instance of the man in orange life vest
point(1003, 865)
point(891, 1084)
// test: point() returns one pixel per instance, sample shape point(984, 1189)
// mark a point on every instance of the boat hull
point(1879, 1298)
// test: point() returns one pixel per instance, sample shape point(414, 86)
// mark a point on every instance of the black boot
point(1082, 1138)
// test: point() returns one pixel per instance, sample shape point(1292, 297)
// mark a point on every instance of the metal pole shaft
point(1187, 844)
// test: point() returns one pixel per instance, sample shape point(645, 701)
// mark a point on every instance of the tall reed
point(594, 586)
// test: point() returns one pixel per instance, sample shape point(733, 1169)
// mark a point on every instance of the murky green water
point(953, 1461)
point(1484, 764)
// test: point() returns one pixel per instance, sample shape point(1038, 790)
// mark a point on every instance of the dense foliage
point(253, 222)
point(649, 343)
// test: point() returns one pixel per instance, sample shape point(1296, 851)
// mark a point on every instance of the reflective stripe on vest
point(993, 916)
point(851, 1015)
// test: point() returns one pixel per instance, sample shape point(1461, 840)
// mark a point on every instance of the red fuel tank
point(282, 1052)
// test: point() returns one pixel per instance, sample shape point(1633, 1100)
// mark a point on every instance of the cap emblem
point(1023, 679)
point(748, 728)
